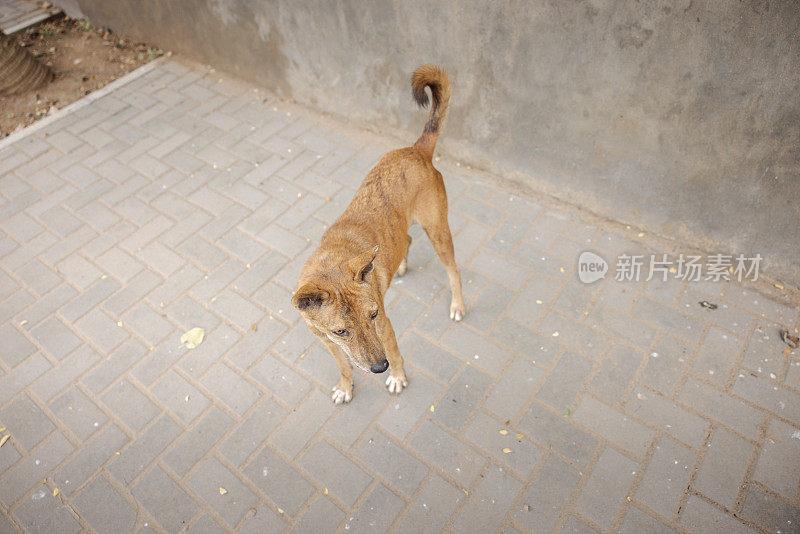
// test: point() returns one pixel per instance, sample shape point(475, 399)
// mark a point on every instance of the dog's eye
point(340, 333)
point(374, 314)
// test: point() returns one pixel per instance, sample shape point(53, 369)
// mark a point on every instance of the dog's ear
point(362, 264)
point(310, 295)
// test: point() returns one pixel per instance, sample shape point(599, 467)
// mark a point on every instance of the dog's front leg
point(343, 391)
point(397, 375)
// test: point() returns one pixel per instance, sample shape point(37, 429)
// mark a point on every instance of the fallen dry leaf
point(4, 439)
point(506, 450)
point(789, 339)
point(504, 431)
point(432, 408)
point(55, 492)
point(222, 491)
point(193, 337)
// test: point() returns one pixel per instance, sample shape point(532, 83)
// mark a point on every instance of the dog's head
point(344, 304)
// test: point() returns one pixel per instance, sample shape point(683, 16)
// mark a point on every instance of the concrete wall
point(682, 116)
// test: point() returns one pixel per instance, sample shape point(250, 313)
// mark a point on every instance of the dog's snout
point(380, 367)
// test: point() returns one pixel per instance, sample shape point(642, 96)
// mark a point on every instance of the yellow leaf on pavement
point(193, 337)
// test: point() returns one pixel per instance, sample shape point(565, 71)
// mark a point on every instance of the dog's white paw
point(340, 396)
point(403, 267)
point(457, 311)
point(395, 384)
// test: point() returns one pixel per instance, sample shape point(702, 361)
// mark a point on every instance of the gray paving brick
point(30, 472)
point(281, 380)
point(56, 338)
point(78, 413)
point(668, 319)
point(165, 500)
point(89, 298)
point(665, 364)
point(182, 398)
point(477, 350)
point(91, 456)
point(720, 407)
point(252, 432)
point(196, 361)
point(699, 516)
point(130, 405)
point(656, 410)
point(778, 463)
point(150, 325)
point(405, 410)
point(142, 452)
point(539, 350)
point(666, 477)
point(254, 344)
point(463, 396)
point(26, 422)
point(557, 432)
point(723, 468)
point(343, 479)
point(607, 487)
point(230, 388)
point(614, 426)
point(531, 301)
point(23, 374)
point(396, 466)
point(195, 443)
point(615, 373)
point(488, 505)
point(239, 311)
point(564, 382)
point(161, 259)
point(279, 480)
point(119, 264)
point(47, 514)
point(322, 516)
point(113, 365)
point(114, 515)
point(495, 439)
point(377, 512)
point(430, 512)
point(764, 393)
point(769, 512)
point(369, 399)
point(577, 337)
point(637, 521)
point(231, 504)
point(508, 395)
point(717, 356)
point(259, 273)
point(449, 454)
point(302, 424)
point(16, 346)
point(38, 277)
point(47, 305)
point(547, 495)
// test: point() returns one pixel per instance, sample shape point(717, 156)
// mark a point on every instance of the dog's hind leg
point(404, 264)
point(343, 391)
point(434, 222)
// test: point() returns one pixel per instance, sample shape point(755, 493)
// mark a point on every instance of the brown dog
point(341, 287)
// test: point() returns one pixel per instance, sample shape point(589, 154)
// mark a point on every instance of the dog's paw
point(403, 267)
point(457, 310)
point(395, 384)
point(340, 394)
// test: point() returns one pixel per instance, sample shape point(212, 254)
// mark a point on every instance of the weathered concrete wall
point(682, 116)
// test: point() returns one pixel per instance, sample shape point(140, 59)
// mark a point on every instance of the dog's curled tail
point(439, 82)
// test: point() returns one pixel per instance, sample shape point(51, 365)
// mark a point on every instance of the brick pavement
point(185, 198)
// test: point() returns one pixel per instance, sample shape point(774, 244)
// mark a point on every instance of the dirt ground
point(83, 59)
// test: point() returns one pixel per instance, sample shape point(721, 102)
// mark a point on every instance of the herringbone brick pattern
point(185, 198)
